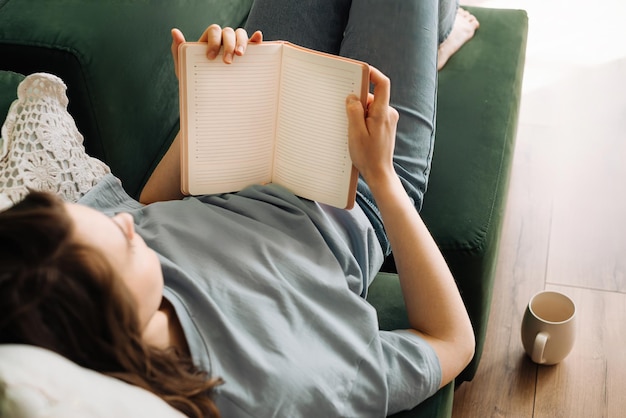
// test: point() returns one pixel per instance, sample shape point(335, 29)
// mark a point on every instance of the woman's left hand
point(234, 41)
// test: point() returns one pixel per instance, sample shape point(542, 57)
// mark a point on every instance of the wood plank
point(588, 242)
point(590, 381)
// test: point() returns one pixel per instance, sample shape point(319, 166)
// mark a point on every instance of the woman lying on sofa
point(252, 303)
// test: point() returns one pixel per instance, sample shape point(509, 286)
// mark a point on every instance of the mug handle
point(538, 347)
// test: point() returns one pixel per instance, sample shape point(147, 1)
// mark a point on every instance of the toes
point(474, 21)
point(468, 17)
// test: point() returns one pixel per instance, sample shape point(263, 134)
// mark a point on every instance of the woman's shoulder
point(108, 195)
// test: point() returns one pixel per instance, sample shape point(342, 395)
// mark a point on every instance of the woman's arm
point(164, 182)
point(434, 306)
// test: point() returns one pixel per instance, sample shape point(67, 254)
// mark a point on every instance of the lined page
point(230, 117)
point(312, 157)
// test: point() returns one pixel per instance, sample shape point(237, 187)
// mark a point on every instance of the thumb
point(257, 37)
point(177, 39)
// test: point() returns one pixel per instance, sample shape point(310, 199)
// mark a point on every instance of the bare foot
point(465, 25)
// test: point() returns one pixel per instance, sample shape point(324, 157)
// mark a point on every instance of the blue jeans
point(447, 14)
point(400, 38)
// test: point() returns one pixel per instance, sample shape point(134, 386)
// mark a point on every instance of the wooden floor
point(565, 225)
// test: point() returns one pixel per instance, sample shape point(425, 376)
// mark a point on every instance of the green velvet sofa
point(114, 57)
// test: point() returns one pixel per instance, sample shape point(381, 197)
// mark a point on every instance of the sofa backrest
point(115, 58)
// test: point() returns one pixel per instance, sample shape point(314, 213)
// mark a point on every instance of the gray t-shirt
point(269, 290)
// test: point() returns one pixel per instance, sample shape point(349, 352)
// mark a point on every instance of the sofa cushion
point(115, 59)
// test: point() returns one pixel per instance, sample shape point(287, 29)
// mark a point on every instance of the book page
point(228, 114)
point(312, 156)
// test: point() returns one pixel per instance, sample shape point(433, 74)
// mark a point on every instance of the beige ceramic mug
point(548, 328)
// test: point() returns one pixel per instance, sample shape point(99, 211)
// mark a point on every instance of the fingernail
point(240, 49)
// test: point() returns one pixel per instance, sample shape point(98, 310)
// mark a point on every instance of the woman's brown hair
point(58, 294)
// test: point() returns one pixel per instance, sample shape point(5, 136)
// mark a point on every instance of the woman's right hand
point(372, 131)
point(425, 278)
point(234, 42)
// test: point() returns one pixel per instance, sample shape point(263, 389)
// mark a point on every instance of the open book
point(275, 115)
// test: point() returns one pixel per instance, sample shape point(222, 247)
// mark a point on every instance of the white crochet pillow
point(41, 147)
